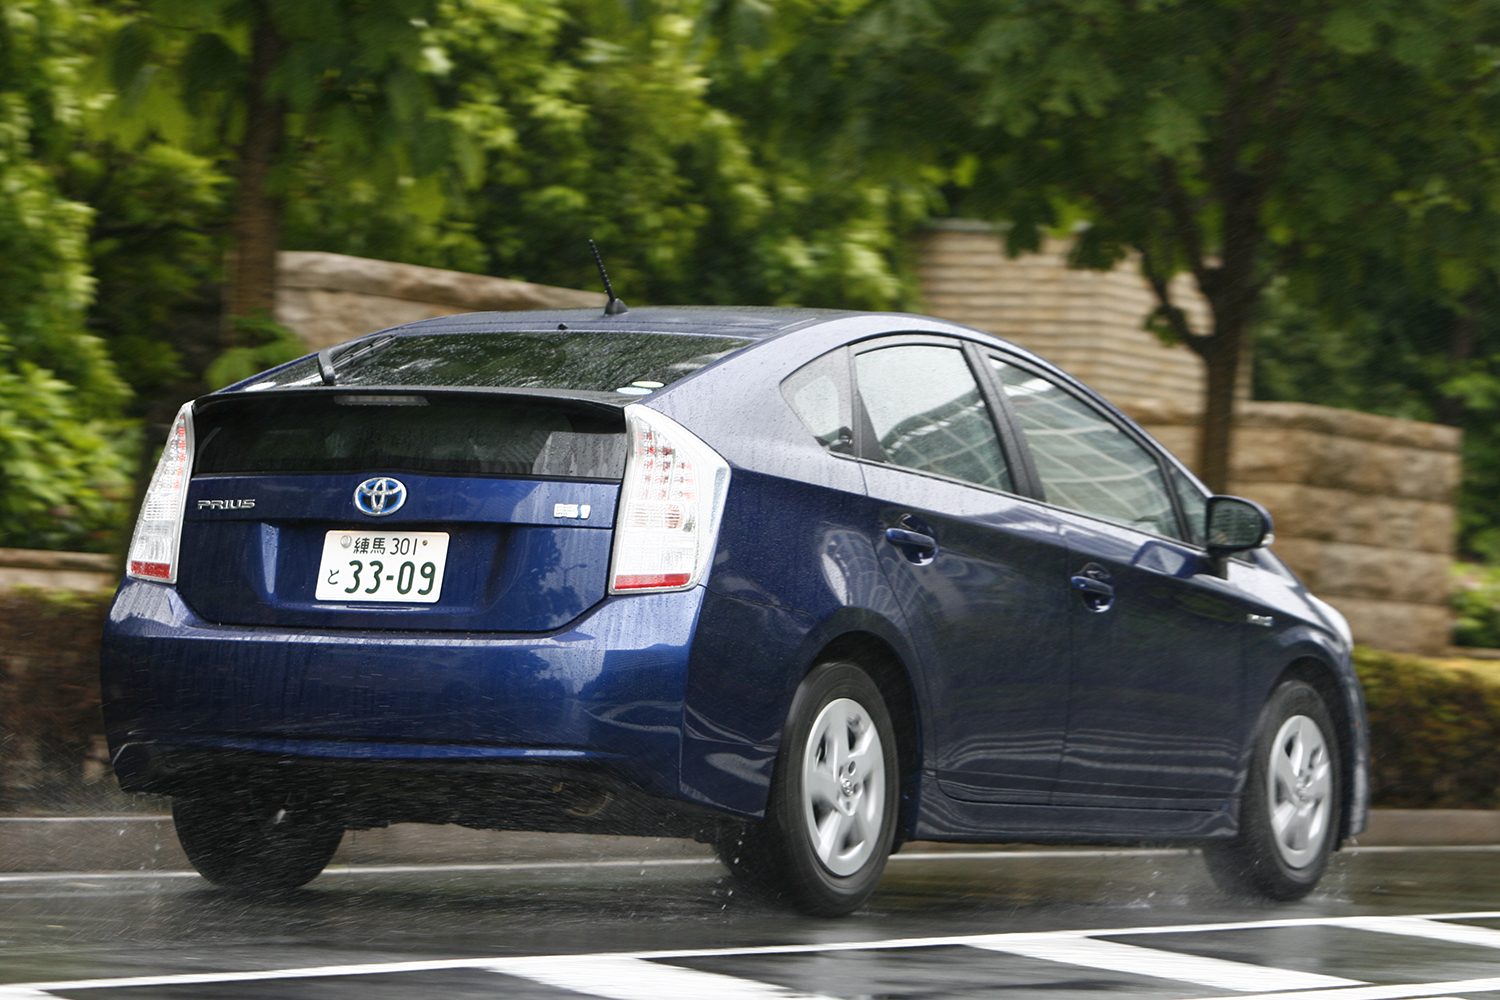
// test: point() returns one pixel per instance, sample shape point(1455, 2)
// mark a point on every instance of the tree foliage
point(1237, 140)
point(64, 452)
point(257, 83)
point(1403, 352)
point(593, 123)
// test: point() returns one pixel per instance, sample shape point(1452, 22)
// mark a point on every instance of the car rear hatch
point(412, 509)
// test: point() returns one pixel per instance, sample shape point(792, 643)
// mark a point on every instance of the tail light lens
point(158, 529)
point(671, 501)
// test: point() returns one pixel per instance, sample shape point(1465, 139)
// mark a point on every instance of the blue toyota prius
point(803, 585)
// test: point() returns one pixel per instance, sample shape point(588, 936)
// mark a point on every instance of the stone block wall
point(329, 297)
point(57, 570)
point(1091, 323)
point(1363, 507)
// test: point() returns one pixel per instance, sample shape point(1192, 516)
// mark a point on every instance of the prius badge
point(380, 496)
point(226, 504)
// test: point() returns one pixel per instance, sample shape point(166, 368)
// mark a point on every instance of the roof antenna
point(614, 306)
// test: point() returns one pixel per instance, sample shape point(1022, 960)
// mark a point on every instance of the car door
point(977, 569)
point(1156, 672)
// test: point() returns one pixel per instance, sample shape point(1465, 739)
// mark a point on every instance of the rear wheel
point(831, 817)
point(1290, 811)
point(259, 843)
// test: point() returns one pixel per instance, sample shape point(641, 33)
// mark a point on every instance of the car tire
point(1292, 803)
point(253, 842)
point(831, 816)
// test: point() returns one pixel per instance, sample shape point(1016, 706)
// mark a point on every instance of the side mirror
point(1235, 525)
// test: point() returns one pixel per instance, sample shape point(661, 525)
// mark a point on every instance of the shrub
point(52, 750)
point(1434, 732)
point(1476, 603)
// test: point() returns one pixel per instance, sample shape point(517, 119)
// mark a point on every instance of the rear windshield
point(458, 435)
point(625, 363)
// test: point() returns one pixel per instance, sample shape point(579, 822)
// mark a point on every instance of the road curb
point(147, 843)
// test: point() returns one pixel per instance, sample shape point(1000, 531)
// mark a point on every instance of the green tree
point(262, 84)
point(65, 452)
point(593, 122)
point(1401, 351)
point(1237, 140)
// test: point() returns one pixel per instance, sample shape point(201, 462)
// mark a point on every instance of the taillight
point(158, 529)
point(670, 503)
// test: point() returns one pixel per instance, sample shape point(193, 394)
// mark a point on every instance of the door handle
point(1094, 584)
point(919, 547)
point(1089, 585)
point(914, 538)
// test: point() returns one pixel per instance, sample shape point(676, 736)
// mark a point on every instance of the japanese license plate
point(397, 566)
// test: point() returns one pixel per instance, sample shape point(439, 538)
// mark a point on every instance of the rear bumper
point(603, 696)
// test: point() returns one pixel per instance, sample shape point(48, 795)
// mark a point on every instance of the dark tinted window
point(1086, 462)
point(927, 413)
point(458, 435)
point(599, 362)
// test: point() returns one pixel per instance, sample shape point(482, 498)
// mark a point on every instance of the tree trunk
point(257, 212)
point(1221, 359)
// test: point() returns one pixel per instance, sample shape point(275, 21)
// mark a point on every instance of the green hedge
point(1434, 731)
point(52, 751)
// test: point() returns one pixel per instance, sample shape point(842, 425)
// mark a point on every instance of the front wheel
point(258, 843)
point(831, 817)
point(1290, 810)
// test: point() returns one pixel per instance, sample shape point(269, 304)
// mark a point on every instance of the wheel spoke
point(1284, 776)
point(822, 787)
point(864, 744)
point(831, 835)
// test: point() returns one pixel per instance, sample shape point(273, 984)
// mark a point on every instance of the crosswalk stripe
point(1198, 969)
point(638, 979)
point(1076, 947)
point(1483, 937)
point(1397, 991)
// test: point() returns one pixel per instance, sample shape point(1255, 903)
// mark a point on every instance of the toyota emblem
point(380, 496)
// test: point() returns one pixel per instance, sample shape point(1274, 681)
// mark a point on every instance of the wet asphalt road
point(1059, 925)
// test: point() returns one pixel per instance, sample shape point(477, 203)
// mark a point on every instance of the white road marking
point(513, 866)
point(638, 979)
point(162, 818)
point(574, 865)
point(1077, 942)
point(1396, 991)
point(1483, 937)
point(1115, 957)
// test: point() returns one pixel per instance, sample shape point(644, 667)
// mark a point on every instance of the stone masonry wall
point(1363, 507)
point(57, 570)
point(329, 297)
point(1088, 322)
